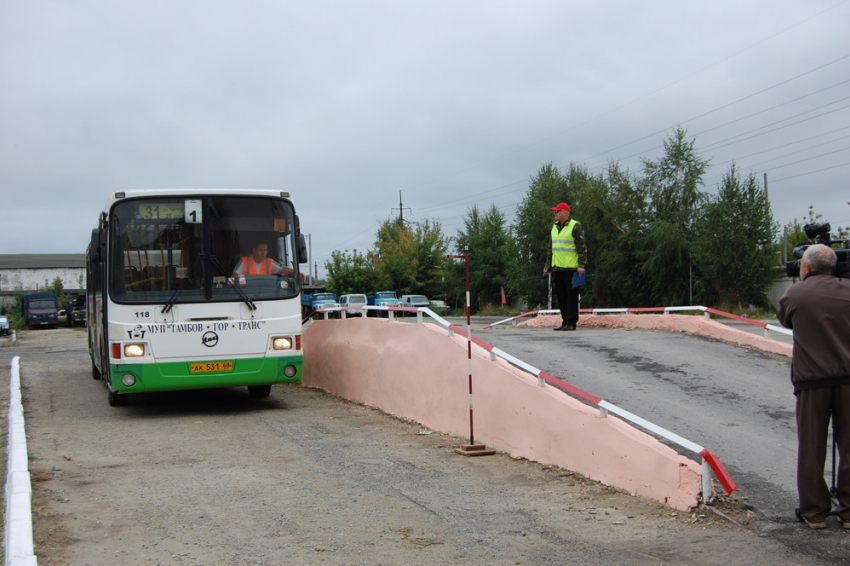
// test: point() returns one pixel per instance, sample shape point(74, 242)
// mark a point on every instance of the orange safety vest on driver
point(251, 269)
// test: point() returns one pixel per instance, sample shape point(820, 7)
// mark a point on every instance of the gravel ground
point(302, 477)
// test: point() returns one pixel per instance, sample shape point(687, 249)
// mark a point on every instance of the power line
point(653, 92)
point(774, 181)
point(717, 109)
point(715, 178)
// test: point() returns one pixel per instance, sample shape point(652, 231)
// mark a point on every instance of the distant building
point(34, 272)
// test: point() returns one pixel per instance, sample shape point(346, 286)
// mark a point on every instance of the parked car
point(317, 301)
point(386, 299)
point(383, 299)
point(5, 326)
point(62, 316)
point(76, 311)
point(354, 300)
point(415, 301)
point(439, 307)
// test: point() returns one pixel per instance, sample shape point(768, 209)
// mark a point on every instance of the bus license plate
point(205, 367)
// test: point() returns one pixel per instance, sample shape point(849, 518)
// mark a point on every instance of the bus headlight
point(290, 371)
point(282, 343)
point(134, 350)
point(128, 379)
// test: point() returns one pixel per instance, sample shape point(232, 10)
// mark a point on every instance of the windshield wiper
point(173, 298)
point(245, 298)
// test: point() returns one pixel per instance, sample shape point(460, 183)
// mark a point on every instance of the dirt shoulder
point(215, 477)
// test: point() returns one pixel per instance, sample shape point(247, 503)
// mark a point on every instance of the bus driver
point(258, 263)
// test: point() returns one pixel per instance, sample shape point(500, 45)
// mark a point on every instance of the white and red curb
point(18, 535)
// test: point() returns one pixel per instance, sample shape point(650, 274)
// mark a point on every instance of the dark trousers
point(814, 407)
point(562, 284)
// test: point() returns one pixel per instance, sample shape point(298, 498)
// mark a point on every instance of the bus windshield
point(180, 250)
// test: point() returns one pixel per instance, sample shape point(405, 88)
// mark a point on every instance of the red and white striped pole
point(472, 449)
point(469, 347)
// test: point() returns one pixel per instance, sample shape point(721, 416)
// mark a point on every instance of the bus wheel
point(118, 399)
point(258, 391)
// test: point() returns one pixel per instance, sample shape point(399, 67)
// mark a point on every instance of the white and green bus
point(169, 308)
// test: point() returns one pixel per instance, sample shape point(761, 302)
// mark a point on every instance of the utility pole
point(400, 210)
point(310, 257)
point(765, 189)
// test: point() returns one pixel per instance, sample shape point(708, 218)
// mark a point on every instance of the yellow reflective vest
point(564, 252)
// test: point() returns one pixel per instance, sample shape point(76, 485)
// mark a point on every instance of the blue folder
point(578, 281)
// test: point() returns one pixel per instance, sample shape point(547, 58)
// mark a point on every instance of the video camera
point(819, 234)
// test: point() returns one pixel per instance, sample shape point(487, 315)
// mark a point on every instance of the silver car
point(415, 301)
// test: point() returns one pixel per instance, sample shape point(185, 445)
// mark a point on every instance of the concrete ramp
point(420, 372)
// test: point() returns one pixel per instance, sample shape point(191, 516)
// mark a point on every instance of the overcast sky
point(451, 104)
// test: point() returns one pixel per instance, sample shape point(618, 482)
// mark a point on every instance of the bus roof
point(197, 193)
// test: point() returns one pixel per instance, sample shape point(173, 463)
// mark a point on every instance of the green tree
point(486, 239)
point(410, 259)
point(608, 207)
point(57, 287)
point(350, 273)
point(733, 244)
point(673, 182)
point(430, 248)
point(393, 257)
point(615, 224)
point(663, 254)
point(14, 310)
point(530, 244)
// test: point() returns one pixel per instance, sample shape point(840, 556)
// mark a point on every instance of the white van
point(357, 301)
point(415, 301)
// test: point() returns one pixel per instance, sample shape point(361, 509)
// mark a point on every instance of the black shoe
point(568, 327)
point(563, 327)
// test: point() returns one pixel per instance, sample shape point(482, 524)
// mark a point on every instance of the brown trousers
point(814, 408)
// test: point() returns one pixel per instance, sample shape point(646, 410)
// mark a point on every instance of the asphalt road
point(302, 477)
point(736, 402)
point(216, 477)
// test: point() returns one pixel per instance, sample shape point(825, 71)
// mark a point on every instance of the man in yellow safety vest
point(567, 256)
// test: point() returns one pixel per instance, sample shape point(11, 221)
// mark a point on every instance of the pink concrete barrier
point(419, 372)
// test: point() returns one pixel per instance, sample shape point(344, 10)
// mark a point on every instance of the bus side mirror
point(302, 249)
point(94, 251)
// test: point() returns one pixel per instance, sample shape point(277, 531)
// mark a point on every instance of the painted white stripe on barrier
point(780, 329)
point(443, 322)
point(675, 309)
point(663, 432)
point(18, 531)
point(517, 362)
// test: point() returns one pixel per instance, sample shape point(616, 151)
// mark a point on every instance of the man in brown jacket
point(818, 310)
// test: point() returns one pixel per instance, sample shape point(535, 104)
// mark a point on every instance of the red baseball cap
point(562, 206)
